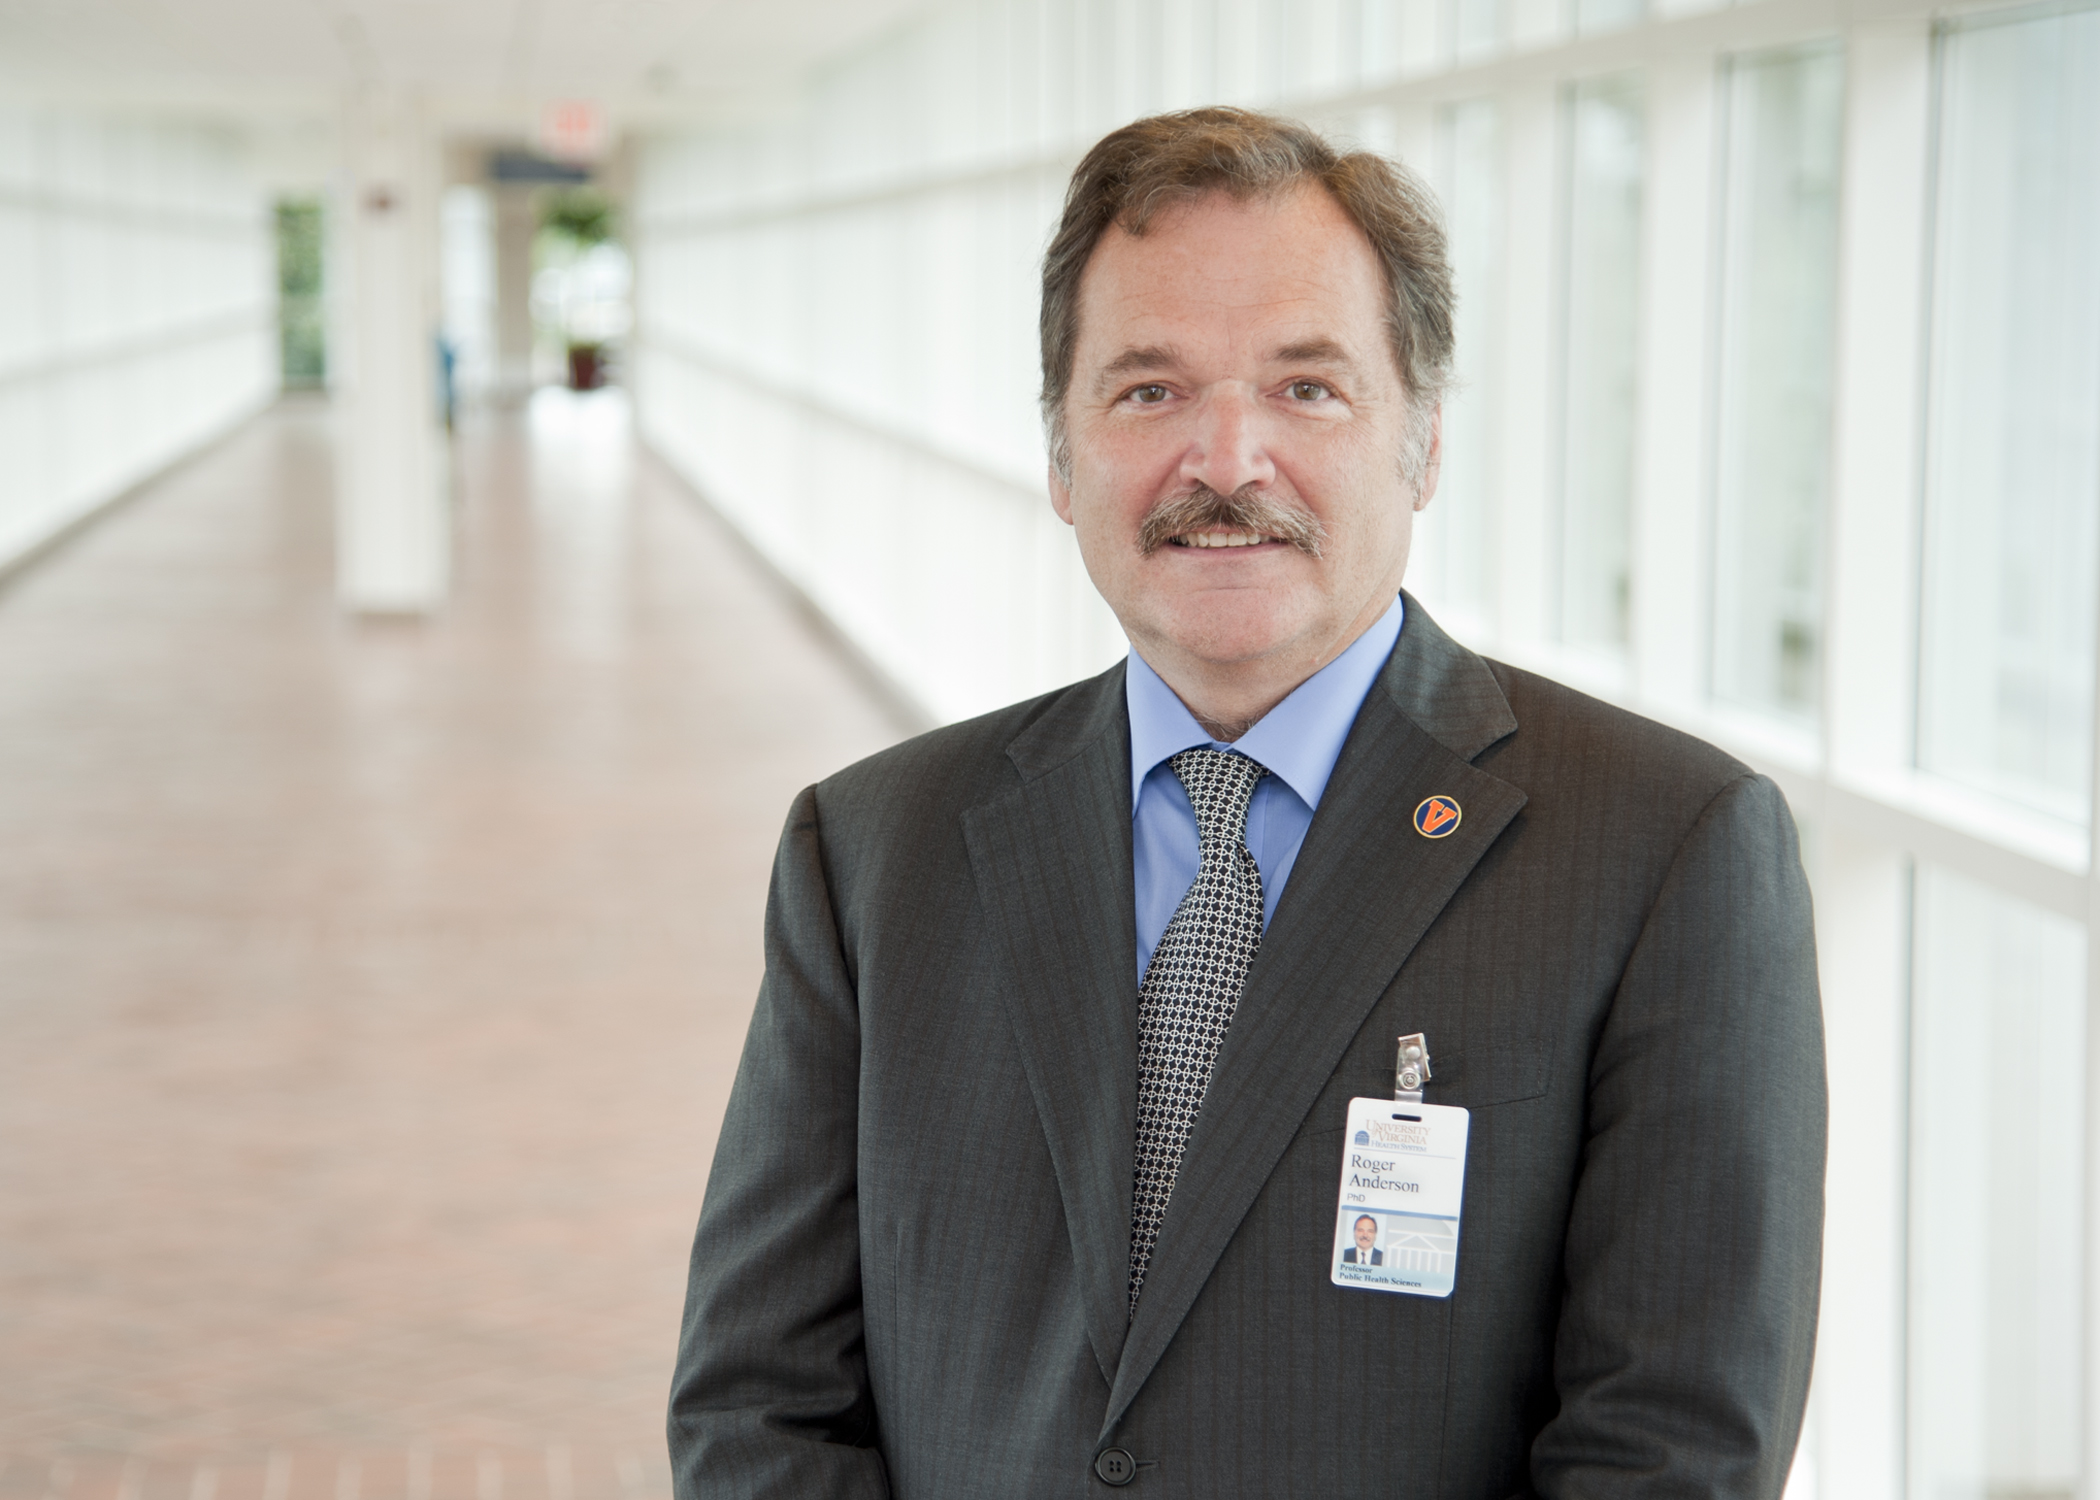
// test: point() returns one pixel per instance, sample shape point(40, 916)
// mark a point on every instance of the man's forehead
point(1135, 311)
point(1307, 216)
point(1290, 278)
point(1258, 276)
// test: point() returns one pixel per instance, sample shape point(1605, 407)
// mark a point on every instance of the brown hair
point(1138, 172)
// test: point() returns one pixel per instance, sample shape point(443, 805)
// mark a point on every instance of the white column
point(1870, 603)
point(1671, 503)
point(1870, 598)
point(1856, 1434)
point(2089, 1369)
point(393, 513)
point(1529, 489)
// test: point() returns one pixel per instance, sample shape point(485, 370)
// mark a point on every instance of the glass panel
point(1603, 236)
point(2013, 440)
point(1476, 29)
point(1606, 15)
point(1997, 1166)
point(1778, 311)
point(1470, 165)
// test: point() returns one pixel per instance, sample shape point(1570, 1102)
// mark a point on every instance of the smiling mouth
point(1221, 539)
point(1201, 519)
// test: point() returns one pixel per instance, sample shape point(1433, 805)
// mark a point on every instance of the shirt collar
point(1299, 740)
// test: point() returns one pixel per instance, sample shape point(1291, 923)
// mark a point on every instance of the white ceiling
point(488, 59)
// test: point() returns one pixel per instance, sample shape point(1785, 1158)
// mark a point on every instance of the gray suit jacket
point(1613, 961)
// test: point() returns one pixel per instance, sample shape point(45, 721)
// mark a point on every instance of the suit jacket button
point(1115, 1466)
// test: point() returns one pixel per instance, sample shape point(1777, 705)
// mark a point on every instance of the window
point(1469, 166)
point(1997, 1170)
point(1602, 232)
point(301, 310)
point(1778, 312)
point(1606, 15)
point(1476, 29)
point(2012, 471)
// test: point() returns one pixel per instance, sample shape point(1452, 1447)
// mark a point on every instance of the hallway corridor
point(370, 990)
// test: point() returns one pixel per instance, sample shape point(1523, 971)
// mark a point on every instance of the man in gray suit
point(1096, 978)
point(1365, 1251)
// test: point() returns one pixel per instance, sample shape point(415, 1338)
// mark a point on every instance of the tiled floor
point(369, 992)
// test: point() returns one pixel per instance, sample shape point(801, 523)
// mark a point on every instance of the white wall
point(137, 305)
point(836, 342)
point(393, 514)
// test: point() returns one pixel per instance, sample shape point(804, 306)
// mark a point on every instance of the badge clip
point(1411, 1068)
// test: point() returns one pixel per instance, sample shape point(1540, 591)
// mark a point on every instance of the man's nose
point(1228, 449)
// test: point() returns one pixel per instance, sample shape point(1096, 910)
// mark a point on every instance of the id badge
point(1403, 1176)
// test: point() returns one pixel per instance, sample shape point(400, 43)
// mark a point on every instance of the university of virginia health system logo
point(1407, 1135)
point(1436, 818)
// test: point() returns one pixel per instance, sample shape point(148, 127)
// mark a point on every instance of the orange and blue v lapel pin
point(1437, 817)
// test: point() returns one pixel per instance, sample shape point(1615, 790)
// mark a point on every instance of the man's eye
point(1307, 390)
point(1149, 395)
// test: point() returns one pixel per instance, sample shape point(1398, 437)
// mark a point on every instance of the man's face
point(1239, 349)
point(1366, 1234)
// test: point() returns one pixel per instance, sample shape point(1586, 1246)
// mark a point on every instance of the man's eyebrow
point(1133, 360)
point(1315, 352)
point(1138, 360)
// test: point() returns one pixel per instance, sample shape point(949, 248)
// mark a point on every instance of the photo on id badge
point(1403, 1183)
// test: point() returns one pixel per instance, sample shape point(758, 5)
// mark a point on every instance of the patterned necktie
point(1192, 986)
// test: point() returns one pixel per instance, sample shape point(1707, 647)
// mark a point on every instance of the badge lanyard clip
point(1411, 1068)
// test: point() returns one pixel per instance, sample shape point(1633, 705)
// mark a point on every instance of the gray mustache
point(1245, 509)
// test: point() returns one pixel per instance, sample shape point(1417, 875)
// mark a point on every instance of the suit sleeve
point(770, 1396)
point(1694, 1243)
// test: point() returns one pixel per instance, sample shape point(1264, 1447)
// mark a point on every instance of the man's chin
point(1229, 632)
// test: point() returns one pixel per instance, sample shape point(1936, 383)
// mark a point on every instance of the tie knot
point(1220, 785)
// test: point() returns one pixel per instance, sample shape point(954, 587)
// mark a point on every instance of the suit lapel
point(1052, 862)
point(1363, 891)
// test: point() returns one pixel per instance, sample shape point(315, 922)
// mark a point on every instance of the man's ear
point(1060, 495)
point(1431, 470)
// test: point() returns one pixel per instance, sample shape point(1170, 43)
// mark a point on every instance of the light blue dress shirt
point(1299, 741)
